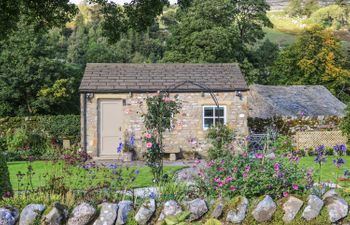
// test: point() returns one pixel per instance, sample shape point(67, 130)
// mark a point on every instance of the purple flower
point(340, 148)
point(338, 162)
point(120, 147)
point(153, 195)
point(113, 166)
point(132, 139)
point(137, 172)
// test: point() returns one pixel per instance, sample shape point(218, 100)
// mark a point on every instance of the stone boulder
point(171, 208)
point(238, 214)
point(197, 208)
point(30, 213)
point(82, 214)
point(330, 193)
point(218, 209)
point(313, 208)
point(57, 216)
point(8, 216)
point(123, 212)
point(145, 212)
point(108, 214)
point(291, 207)
point(337, 208)
point(264, 210)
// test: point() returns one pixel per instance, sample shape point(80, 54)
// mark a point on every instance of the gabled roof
point(289, 101)
point(124, 78)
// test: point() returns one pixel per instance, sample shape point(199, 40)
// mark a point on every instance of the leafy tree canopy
point(43, 13)
point(216, 30)
point(316, 58)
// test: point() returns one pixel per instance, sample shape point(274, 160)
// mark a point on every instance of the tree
point(295, 8)
point(216, 30)
point(30, 70)
point(260, 60)
point(316, 58)
point(5, 184)
point(43, 13)
point(310, 6)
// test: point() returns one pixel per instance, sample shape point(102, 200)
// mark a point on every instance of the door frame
point(99, 143)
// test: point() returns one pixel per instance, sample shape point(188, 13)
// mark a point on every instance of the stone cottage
point(112, 97)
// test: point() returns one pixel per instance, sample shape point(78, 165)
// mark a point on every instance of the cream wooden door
point(110, 127)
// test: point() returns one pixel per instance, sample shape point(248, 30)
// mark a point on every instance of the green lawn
point(79, 177)
point(328, 171)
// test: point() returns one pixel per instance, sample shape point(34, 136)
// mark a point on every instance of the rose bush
point(253, 176)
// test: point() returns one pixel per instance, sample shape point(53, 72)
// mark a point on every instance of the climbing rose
point(285, 194)
point(149, 145)
point(148, 136)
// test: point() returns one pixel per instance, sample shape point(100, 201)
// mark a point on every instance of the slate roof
point(288, 101)
point(123, 78)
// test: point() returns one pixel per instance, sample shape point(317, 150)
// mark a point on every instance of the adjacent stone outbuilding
point(112, 97)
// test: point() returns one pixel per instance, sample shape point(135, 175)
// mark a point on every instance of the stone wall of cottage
point(188, 135)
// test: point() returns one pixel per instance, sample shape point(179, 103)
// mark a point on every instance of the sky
point(118, 1)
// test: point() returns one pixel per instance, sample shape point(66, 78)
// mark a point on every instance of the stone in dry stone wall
point(123, 212)
point(219, 208)
point(291, 207)
point(171, 208)
point(313, 208)
point(145, 212)
point(82, 214)
point(264, 210)
point(8, 216)
point(237, 215)
point(30, 213)
point(108, 214)
point(56, 216)
point(337, 208)
point(197, 208)
point(329, 193)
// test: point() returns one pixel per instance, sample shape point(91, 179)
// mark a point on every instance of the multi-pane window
point(213, 115)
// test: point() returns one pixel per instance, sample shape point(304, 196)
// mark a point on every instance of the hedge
point(53, 127)
point(5, 185)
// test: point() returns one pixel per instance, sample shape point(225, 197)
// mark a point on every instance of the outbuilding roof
point(123, 78)
point(289, 101)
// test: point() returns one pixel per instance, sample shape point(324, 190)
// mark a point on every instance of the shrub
point(283, 144)
point(5, 184)
point(252, 177)
point(220, 137)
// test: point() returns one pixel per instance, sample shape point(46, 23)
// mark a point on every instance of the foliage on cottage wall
point(289, 126)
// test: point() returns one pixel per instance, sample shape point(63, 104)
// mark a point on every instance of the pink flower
point(247, 169)
point(245, 174)
point(166, 99)
point(276, 167)
point(197, 161)
point(210, 164)
point(259, 155)
point(220, 184)
point(148, 135)
point(221, 169)
point(228, 179)
point(222, 161)
point(149, 145)
point(295, 187)
point(217, 179)
point(233, 188)
point(285, 194)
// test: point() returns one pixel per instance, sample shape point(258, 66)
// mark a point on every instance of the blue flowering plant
point(320, 159)
point(128, 143)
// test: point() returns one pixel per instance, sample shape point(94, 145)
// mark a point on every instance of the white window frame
point(214, 116)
